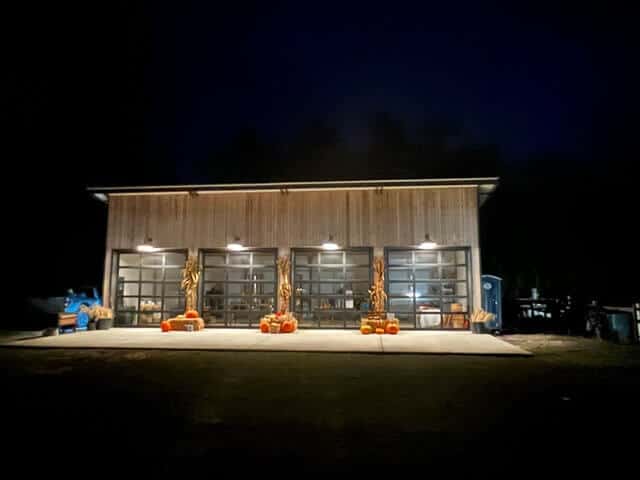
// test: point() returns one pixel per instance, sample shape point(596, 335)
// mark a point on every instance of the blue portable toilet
point(492, 300)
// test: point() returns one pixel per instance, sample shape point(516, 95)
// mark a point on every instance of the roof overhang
point(485, 185)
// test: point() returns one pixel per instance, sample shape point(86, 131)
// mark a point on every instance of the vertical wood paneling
point(393, 217)
point(263, 219)
point(406, 217)
point(431, 202)
point(448, 216)
point(384, 218)
point(355, 214)
point(419, 220)
point(280, 222)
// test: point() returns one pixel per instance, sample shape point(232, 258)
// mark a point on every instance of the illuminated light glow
point(147, 247)
point(235, 246)
point(428, 244)
point(330, 244)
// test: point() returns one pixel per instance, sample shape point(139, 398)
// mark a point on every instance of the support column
point(106, 279)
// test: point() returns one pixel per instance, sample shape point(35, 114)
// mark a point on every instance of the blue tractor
point(75, 300)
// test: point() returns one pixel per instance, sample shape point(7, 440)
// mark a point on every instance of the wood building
point(330, 230)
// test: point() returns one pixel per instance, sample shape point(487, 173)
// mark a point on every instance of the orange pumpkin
point(392, 328)
point(366, 329)
point(191, 314)
point(379, 331)
point(264, 327)
point(165, 326)
point(286, 327)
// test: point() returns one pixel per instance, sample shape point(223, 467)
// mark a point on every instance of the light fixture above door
point(330, 244)
point(427, 244)
point(147, 246)
point(236, 245)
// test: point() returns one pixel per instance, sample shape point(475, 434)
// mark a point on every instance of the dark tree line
point(559, 222)
point(320, 151)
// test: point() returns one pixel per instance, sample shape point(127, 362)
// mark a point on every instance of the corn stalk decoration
point(284, 291)
point(190, 277)
point(377, 295)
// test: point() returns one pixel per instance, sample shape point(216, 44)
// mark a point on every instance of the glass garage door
point(429, 289)
point(237, 288)
point(330, 288)
point(147, 287)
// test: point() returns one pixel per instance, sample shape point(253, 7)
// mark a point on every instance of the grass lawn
point(325, 412)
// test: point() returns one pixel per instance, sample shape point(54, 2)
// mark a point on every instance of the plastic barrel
point(621, 326)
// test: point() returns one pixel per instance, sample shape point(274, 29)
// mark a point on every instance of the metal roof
point(486, 186)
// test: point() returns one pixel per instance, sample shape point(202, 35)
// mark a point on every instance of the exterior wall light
point(427, 244)
point(147, 246)
point(330, 244)
point(235, 246)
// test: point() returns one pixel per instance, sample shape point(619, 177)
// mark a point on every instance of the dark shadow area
point(139, 94)
point(184, 411)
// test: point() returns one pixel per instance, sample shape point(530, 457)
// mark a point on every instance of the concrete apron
point(352, 341)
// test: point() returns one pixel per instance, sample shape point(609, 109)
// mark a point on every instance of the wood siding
point(393, 217)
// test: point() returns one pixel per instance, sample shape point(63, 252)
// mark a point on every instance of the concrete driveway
point(422, 342)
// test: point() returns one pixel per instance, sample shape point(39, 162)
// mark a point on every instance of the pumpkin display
point(392, 328)
point(165, 326)
point(366, 329)
point(294, 323)
point(278, 323)
point(379, 331)
point(191, 314)
point(274, 327)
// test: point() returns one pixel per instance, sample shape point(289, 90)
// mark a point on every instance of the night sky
point(131, 93)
